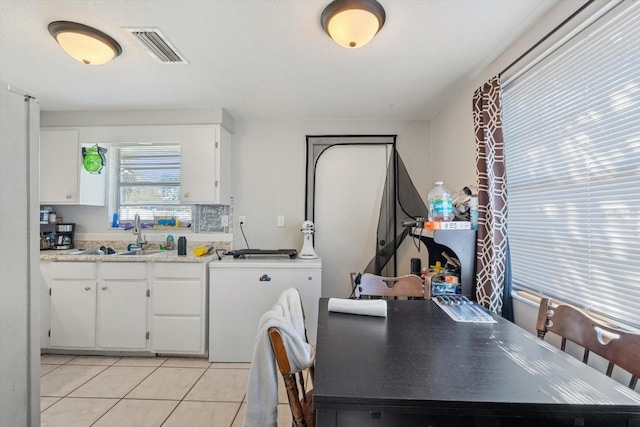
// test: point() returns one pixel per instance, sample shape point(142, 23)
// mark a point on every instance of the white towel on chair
point(262, 387)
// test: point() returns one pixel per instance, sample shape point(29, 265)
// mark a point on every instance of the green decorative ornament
point(93, 159)
point(92, 163)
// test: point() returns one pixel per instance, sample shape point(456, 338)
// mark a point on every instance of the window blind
point(572, 147)
point(149, 182)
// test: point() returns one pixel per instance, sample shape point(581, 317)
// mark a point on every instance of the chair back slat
point(621, 348)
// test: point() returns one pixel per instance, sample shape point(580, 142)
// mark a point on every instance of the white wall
point(269, 170)
point(453, 138)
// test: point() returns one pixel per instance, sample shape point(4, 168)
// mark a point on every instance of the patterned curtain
point(492, 245)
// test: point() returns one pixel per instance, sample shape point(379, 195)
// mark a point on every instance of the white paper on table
point(376, 307)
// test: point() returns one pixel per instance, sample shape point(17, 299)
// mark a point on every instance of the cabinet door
point(178, 316)
point(122, 314)
point(238, 298)
point(59, 166)
point(199, 181)
point(73, 313)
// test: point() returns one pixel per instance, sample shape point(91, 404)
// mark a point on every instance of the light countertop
point(163, 256)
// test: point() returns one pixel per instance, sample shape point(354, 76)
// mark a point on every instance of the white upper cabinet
point(63, 180)
point(206, 165)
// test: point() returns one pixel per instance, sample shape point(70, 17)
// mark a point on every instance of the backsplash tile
point(208, 218)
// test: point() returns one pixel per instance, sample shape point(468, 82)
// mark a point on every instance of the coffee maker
point(64, 236)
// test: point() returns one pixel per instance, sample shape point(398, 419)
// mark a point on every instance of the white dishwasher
point(242, 290)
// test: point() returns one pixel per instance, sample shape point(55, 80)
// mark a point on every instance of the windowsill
point(152, 229)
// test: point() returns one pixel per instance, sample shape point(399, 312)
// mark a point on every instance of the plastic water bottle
point(440, 204)
point(473, 212)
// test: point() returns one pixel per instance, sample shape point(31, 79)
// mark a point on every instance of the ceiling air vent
point(158, 45)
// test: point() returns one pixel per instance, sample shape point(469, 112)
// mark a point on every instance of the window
point(572, 140)
point(148, 182)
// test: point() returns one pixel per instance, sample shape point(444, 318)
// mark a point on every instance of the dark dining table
point(419, 367)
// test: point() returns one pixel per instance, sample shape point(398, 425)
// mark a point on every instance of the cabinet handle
point(265, 278)
point(68, 196)
point(104, 288)
point(87, 288)
point(186, 195)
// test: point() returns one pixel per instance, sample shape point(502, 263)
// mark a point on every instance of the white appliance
point(242, 290)
point(19, 260)
point(307, 251)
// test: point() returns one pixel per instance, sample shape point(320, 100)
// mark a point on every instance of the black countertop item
point(419, 361)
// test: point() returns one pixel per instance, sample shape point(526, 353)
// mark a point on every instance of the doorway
point(348, 198)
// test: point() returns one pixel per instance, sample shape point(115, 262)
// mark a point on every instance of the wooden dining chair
point(300, 399)
point(371, 285)
point(618, 347)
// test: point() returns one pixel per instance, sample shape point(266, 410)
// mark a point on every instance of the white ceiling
point(261, 58)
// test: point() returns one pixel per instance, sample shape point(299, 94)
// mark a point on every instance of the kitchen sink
point(141, 252)
point(87, 252)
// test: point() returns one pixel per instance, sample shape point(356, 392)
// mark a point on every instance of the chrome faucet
point(137, 231)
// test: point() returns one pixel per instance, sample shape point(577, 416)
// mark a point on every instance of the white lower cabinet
point(122, 306)
point(73, 305)
point(98, 306)
point(178, 308)
point(241, 291)
point(159, 307)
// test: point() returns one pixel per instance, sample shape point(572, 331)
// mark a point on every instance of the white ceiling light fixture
point(84, 43)
point(353, 23)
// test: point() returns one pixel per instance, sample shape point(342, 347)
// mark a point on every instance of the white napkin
point(374, 307)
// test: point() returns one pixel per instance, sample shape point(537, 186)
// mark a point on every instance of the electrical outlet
point(224, 220)
point(242, 220)
point(280, 220)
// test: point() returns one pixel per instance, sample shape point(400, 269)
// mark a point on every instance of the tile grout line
point(163, 364)
point(235, 417)
point(132, 388)
point(185, 395)
point(67, 395)
point(60, 399)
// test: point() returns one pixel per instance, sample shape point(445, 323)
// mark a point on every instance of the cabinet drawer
point(178, 335)
point(178, 270)
point(123, 270)
point(73, 270)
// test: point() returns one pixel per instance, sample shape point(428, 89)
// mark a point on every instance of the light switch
point(280, 220)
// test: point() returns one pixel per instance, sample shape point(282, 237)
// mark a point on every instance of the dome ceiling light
point(353, 23)
point(84, 43)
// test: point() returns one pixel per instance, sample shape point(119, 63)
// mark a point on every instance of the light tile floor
point(83, 391)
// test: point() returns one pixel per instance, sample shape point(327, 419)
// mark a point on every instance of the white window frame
point(182, 212)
